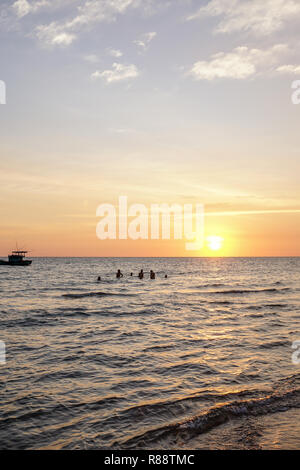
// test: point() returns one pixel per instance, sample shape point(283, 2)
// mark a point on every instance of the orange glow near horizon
point(269, 236)
point(56, 216)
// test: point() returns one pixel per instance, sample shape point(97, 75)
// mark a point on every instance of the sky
point(181, 101)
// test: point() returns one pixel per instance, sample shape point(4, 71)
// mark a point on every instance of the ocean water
point(200, 360)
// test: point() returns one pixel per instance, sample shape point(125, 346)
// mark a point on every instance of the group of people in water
point(141, 275)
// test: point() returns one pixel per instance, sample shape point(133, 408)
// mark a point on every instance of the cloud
point(24, 7)
point(75, 16)
point(122, 130)
point(241, 63)
point(256, 16)
point(253, 212)
point(53, 35)
point(92, 58)
point(93, 11)
point(290, 69)
point(114, 53)
point(119, 72)
point(88, 14)
point(145, 40)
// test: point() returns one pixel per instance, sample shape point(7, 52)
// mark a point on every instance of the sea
point(205, 358)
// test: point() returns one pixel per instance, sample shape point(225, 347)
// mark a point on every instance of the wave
point(95, 294)
point(248, 291)
point(266, 403)
point(221, 302)
point(274, 344)
point(264, 306)
point(216, 284)
point(166, 347)
point(59, 409)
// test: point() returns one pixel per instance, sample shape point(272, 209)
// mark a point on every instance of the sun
point(214, 243)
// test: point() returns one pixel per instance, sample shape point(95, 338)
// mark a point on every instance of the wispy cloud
point(256, 16)
point(119, 72)
point(144, 41)
point(241, 63)
point(24, 7)
point(92, 58)
point(253, 212)
point(290, 69)
point(53, 35)
point(114, 53)
point(122, 131)
point(88, 14)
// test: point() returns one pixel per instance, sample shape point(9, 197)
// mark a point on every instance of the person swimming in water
point(141, 274)
point(119, 274)
point(152, 274)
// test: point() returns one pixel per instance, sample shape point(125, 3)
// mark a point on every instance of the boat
point(16, 259)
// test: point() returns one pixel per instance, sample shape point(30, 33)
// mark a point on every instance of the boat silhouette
point(16, 259)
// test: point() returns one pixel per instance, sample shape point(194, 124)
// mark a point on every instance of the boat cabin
point(17, 256)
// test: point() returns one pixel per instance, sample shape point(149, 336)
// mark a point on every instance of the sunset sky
point(182, 101)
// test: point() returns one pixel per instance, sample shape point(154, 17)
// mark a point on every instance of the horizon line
point(167, 257)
